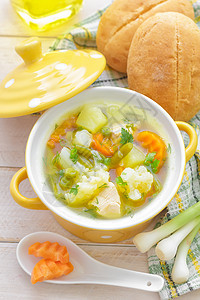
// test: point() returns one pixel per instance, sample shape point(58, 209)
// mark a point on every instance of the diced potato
point(83, 138)
point(107, 202)
point(91, 118)
point(87, 187)
point(134, 158)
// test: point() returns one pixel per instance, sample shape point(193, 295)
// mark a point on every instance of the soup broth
point(105, 161)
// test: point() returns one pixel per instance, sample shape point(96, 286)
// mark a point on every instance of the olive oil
point(42, 15)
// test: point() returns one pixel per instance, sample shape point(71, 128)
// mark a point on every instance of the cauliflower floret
point(139, 181)
point(83, 138)
point(107, 202)
point(87, 187)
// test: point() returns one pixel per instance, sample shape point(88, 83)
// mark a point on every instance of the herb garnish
point(150, 161)
point(103, 160)
point(120, 181)
point(74, 190)
point(126, 137)
point(74, 155)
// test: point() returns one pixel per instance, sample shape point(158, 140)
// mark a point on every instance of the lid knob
point(30, 50)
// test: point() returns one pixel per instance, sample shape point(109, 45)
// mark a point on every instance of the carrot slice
point(49, 250)
point(153, 143)
point(47, 269)
point(102, 145)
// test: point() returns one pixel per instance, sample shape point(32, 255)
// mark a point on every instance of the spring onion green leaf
point(74, 155)
point(126, 137)
point(145, 240)
point(74, 190)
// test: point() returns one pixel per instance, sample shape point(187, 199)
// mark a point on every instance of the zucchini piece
point(91, 118)
point(134, 158)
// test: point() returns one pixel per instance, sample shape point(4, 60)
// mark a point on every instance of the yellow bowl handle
point(192, 146)
point(31, 203)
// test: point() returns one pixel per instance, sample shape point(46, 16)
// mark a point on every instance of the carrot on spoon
point(47, 269)
point(49, 250)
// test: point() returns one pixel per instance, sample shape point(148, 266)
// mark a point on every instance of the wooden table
point(16, 222)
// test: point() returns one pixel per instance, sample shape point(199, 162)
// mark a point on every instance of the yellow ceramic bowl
point(97, 230)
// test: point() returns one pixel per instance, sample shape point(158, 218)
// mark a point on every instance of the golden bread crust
point(164, 63)
point(121, 20)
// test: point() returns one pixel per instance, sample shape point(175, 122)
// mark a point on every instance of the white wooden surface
point(16, 222)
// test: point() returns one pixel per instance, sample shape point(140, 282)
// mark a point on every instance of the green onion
point(167, 248)
point(145, 240)
point(180, 271)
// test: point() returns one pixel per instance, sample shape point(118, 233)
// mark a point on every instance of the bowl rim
point(108, 225)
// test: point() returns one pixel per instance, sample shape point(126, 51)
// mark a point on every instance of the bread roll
point(164, 63)
point(121, 20)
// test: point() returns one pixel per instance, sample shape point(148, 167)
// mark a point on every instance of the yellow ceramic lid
point(44, 80)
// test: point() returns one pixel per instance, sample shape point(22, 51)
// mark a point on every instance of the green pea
point(106, 131)
point(120, 154)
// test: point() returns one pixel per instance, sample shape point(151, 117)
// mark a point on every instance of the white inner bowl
point(45, 126)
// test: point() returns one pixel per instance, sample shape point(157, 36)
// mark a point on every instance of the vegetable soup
point(104, 163)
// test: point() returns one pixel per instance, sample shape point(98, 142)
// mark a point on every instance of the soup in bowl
point(105, 163)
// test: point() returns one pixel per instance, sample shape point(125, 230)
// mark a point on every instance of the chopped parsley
point(154, 165)
point(56, 126)
point(149, 158)
point(103, 160)
point(74, 155)
point(126, 137)
point(74, 190)
point(150, 161)
point(120, 181)
point(97, 200)
point(56, 158)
